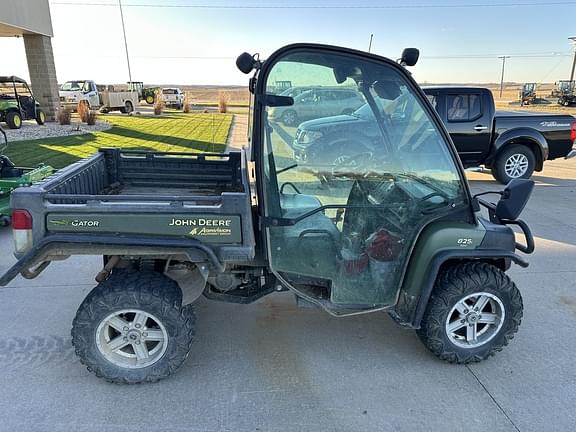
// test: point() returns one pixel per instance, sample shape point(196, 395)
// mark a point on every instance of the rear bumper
point(571, 154)
point(38, 256)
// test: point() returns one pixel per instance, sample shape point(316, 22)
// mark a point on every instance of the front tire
point(474, 311)
point(149, 99)
point(289, 118)
point(14, 120)
point(515, 161)
point(132, 328)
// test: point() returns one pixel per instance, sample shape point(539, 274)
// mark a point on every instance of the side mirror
point(514, 199)
point(246, 63)
point(409, 56)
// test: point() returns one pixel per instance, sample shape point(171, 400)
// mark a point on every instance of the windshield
point(72, 86)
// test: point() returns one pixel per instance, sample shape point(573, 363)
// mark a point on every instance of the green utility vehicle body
point(17, 103)
point(12, 177)
point(377, 231)
point(29, 177)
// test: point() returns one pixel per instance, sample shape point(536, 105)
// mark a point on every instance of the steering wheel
point(354, 165)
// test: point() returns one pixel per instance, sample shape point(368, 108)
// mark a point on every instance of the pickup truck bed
point(143, 202)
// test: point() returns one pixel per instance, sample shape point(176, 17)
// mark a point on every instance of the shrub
point(187, 102)
point(91, 117)
point(83, 111)
point(158, 102)
point(64, 115)
point(223, 99)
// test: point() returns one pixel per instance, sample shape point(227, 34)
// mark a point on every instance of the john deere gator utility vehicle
point(17, 103)
point(398, 233)
point(12, 177)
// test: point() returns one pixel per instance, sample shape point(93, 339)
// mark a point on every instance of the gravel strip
point(31, 131)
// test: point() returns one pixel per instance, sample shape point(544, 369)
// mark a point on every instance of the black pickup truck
point(512, 144)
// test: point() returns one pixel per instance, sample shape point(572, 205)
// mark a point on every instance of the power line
point(334, 7)
point(438, 57)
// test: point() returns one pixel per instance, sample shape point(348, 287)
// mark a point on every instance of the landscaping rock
point(31, 131)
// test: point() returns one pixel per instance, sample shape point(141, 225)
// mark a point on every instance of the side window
point(463, 107)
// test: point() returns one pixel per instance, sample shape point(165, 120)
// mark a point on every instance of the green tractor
point(144, 93)
point(12, 177)
point(17, 103)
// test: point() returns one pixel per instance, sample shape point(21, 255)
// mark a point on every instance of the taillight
point(573, 132)
point(21, 220)
point(22, 230)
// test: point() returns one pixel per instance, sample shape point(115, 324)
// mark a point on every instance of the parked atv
point(399, 233)
point(12, 177)
point(17, 103)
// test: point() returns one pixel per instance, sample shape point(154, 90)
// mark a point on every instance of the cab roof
point(12, 78)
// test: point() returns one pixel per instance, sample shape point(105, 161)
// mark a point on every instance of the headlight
point(306, 137)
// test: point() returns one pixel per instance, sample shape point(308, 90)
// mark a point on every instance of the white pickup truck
point(104, 98)
point(173, 96)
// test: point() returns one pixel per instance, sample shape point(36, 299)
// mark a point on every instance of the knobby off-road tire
point(470, 281)
point(40, 117)
point(515, 161)
point(144, 311)
point(14, 120)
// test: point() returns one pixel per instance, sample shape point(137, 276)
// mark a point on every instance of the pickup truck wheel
point(289, 118)
point(132, 328)
point(128, 107)
point(14, 120)
point(516, 161)
point(474, 311)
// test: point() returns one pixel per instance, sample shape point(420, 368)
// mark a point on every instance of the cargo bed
point(144, 202)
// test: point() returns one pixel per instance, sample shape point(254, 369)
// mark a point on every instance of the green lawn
point(170, 132)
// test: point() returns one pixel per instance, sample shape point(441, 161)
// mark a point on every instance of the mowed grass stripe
point(198, 132)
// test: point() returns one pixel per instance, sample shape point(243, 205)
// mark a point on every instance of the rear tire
point(132, 328)
point(128, 107)
point(40, 117)
point(515, 161)
point(476, 339)
point(149, 100)
point(14, 120)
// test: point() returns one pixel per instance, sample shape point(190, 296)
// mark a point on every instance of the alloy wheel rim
point(290, 117)
point(131, 338)
point(475, 320)
point(516, 165)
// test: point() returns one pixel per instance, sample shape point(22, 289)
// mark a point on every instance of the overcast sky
point(198, 45)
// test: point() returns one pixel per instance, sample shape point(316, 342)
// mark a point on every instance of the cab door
point(341, 231)
point(469, 122)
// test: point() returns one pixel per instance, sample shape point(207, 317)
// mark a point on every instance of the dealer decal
point(211, 228)
point(553, 124)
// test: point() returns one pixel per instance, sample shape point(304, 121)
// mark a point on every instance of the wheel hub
point(472, 317)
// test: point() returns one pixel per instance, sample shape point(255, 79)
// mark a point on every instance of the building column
point(42, 73)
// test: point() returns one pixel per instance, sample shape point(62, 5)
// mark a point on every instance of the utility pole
point(573, 39)
point(502, 77)
point(372, 37)
point(125, 42)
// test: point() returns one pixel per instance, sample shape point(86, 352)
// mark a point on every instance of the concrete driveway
point(273, 367)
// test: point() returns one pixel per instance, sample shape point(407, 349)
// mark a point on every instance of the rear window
point(169, 91)
point(463, 107)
